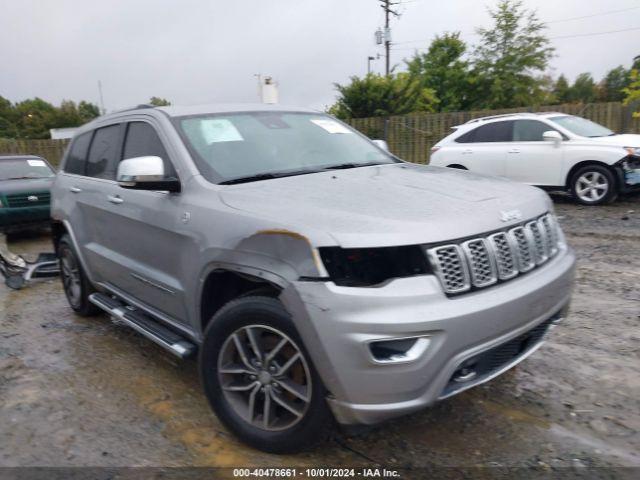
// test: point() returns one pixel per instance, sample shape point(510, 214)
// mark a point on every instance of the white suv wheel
point(592, 186)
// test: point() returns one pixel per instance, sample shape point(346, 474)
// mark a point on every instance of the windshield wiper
point(23, 178)
point(266, 176)
point(343, 166)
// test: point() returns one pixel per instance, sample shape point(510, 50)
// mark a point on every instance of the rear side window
point(77, 156)
point(103, 153)
point(142, 140)
point(529, 130)
point(491, 132)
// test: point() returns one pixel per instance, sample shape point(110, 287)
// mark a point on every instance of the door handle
point(514, 150)
point(115, 199)
point(467, 151)
point(75, 189)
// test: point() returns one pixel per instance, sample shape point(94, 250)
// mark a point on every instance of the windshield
point(230, 148)
point(21, 168)
point(582, 126)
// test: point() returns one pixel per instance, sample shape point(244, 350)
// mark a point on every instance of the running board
point(144, 324)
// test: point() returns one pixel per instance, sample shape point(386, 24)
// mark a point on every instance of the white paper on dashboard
point(216, 130)
point(330, 126)
point(36, 163)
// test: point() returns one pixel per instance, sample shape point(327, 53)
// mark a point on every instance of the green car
point(25, 192)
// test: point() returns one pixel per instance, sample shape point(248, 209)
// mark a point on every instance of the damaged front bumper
point(339, 325)
point(628, 170)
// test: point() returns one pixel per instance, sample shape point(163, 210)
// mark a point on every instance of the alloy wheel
point(264, 377)
point(592, 186)
point(70, 273)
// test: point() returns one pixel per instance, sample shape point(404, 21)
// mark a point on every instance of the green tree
point(8, 127)
point(583, 89)
point(511, 57)
point(88, 111)
point(632, 92)
point(444, 70)
point(377, 95)
point(561, 90)
point(159, 102)
point(612, 86)
point(34, 117)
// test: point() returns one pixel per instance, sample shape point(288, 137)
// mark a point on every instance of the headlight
point(364, 267)
point(633, 151)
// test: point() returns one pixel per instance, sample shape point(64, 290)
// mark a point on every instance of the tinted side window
point(494, 132)
point(529, 130)
point(103, 152)
point(142, 140)
point(467, 137)
point(77, 156)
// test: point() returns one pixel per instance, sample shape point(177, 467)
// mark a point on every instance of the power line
point(593, 15)
point(610, 12)
point(595, 33)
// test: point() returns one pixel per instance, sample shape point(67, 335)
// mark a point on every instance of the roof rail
point(136, 107)
point(503, 115)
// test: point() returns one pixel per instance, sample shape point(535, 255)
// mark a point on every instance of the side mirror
point(145, 173)
point(381, 144)
point(552, 136)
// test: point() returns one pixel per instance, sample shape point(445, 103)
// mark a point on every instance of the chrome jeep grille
point(483, 261)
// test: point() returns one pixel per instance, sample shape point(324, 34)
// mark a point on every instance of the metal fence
point(52, 150)
point(411, 136)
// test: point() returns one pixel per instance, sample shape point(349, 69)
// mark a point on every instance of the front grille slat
point(481, 264)
point(451, 268)
point(483, 261)
point(505, 255)
point(22, 199)
point(539, 243)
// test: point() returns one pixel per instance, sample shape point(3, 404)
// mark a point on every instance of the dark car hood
point(388, 205)
point(8, 187)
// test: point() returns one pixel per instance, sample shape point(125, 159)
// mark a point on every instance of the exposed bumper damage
point(629, 173)
point(340, 324)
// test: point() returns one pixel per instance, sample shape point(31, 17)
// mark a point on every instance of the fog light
point(398, 350)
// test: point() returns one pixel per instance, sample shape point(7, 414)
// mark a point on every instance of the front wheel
point(76, 285)
point(259, 379)
point(594, 185)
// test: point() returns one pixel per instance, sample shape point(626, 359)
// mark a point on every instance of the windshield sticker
point(330, 126)
point(216, 130)
point(36, 163)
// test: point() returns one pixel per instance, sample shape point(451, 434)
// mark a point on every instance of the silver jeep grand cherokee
point(318, 276)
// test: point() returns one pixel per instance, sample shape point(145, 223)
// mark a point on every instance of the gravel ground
point(86, 392)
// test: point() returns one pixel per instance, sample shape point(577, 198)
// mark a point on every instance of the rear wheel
point(259, 379)
point(593, 185)
point(76, 285)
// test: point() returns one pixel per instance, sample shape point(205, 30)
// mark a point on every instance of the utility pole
point(101, 99)
point(386, 6)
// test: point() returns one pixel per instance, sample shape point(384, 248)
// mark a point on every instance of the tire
point(77, 287)
point(594, 185)
point(224, 372)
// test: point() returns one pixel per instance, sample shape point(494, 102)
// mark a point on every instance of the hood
point(398, 204)
point(624, 140)
point(9, 187)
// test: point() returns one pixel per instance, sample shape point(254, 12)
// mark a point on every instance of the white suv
point(552, 150)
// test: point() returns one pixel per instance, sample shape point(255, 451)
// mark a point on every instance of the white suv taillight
point(434, 149)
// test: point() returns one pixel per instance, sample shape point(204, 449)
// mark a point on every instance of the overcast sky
point(196, 51)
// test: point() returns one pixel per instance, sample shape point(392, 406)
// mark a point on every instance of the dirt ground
point(86, 392)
